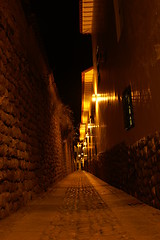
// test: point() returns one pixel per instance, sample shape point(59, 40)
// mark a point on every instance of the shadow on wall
point(134, 169)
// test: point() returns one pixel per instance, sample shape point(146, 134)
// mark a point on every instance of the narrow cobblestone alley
point(79, 120)
point(82, 206)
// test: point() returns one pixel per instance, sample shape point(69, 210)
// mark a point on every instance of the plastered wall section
point(134, 60)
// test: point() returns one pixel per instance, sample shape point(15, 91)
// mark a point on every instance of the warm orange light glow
point(141, 96)
point(86, 16)
point(92, 126)
point(85, 144)
point(89, 75)
point(95, 87)
point(104, 97)
point(84, 118)
point(87, 91)
point(82, 131)
point(86, 105)
point(78, 145)
point(97, 110)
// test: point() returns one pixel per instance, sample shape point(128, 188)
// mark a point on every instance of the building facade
point(126, 55)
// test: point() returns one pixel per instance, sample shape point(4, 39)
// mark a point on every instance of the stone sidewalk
point(82, 207)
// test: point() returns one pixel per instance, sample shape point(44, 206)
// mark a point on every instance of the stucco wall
point(134, 60)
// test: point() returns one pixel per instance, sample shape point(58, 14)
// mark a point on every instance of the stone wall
point(111, 166)
point(134, 169)
point(31, 134)
point(144, 170)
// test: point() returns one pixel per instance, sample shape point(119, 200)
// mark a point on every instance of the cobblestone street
point(83, 207)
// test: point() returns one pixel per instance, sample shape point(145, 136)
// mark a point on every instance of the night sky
point(68, 51)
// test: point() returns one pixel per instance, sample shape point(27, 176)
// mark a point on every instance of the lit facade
point(122, 58)
point(126, 60)
point(86, 16)
point(87, 91)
